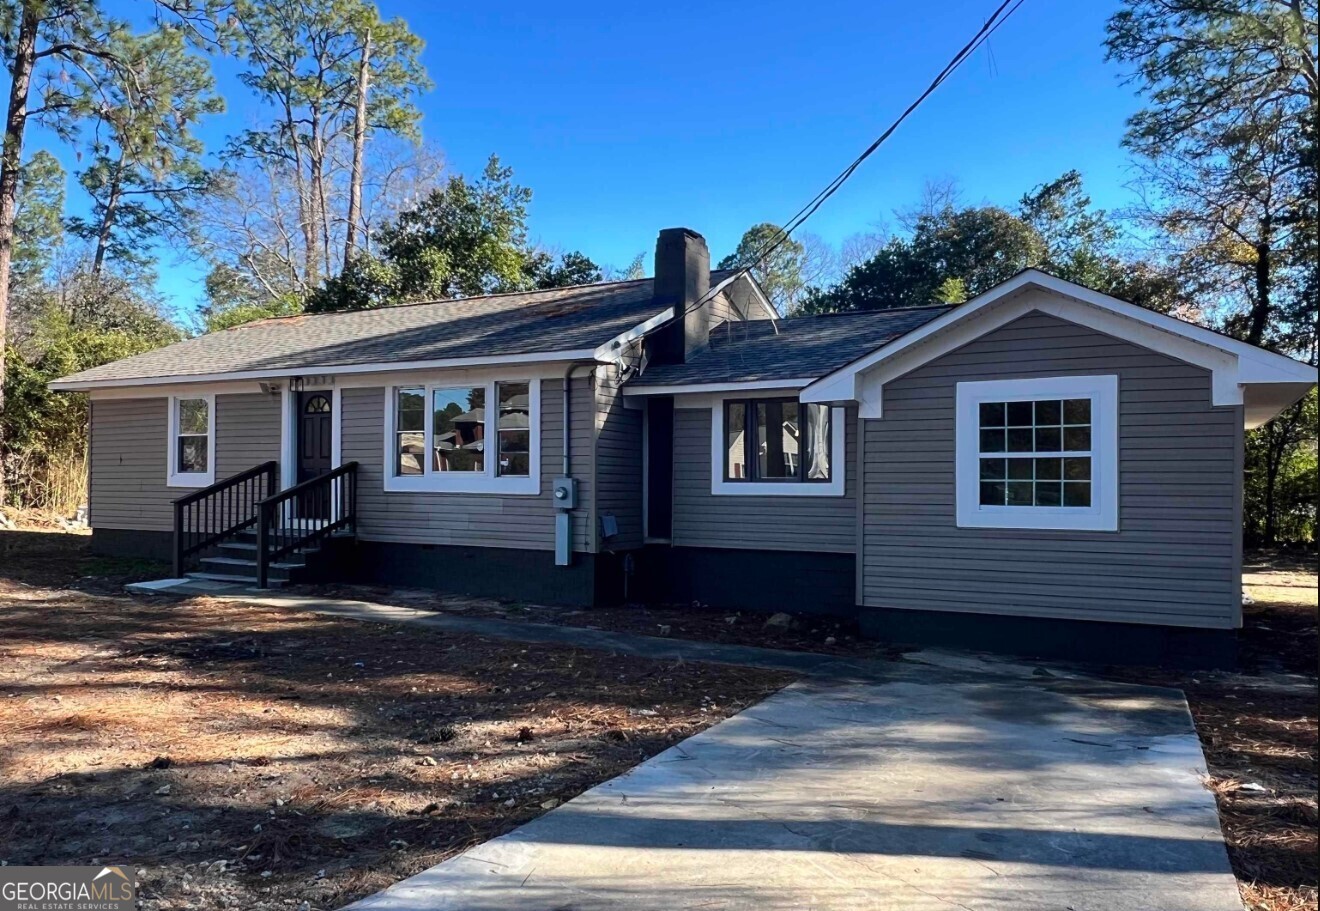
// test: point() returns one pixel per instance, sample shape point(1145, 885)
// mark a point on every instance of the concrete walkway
point(928, 791)
point(940, 781)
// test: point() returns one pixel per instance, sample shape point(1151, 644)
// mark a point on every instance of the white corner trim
point(609, 352)
point(174, 477)
point(1101, 515)
point(336, 428)
point(1231, 362)
point(485, 482)
point(288, 439)
point(834, 487)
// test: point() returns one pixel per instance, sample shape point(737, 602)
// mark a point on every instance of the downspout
point(565, 486)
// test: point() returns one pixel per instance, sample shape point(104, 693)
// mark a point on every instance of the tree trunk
point(108, 218)
point(359, 147)
point(1271, 531)
point(11, 162)
point(1260, 307)
point(316, 181)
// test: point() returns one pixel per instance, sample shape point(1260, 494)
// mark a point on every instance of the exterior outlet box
point(564, 492)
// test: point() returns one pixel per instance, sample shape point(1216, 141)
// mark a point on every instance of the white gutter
point(746, 385)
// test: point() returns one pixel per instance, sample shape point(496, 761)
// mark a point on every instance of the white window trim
point(834, 487)
point(174, 477)
point(1101, 515)
point(486, 482)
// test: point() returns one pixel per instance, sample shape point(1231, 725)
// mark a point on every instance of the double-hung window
point(481, 437)
point(191, 441)
point(776, 446)
point(1038, 453)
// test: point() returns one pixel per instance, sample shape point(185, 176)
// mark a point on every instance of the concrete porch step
point(240, 561)
point(235, 579)
point(250, 547)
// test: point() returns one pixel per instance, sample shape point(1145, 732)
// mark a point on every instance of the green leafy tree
point(86, 323)
point(978, 247)
point(1227, 144)
point(62, 49)
point(1080, 243)
point(953, 254)
point(779, 273)
point(465, 238)
point(38, 220)
point(1231, 87)
point(545, 271)
point(146, 169)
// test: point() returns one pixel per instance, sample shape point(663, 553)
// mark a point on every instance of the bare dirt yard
point(1258, 727)
point(253, 758)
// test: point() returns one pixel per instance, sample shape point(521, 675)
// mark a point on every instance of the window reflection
point(458, 429)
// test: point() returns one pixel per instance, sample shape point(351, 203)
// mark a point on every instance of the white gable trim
point(608, 353)
point(1232, 363)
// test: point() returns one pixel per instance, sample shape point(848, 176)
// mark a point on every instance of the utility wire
point(1001, 14)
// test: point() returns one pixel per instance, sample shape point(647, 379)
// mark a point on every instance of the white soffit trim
point(748, 385)
point(1231, 362)
point(582, 354)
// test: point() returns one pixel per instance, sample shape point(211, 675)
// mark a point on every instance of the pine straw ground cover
point(254, 758)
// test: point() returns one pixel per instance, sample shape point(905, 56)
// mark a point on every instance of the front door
point(314, 430)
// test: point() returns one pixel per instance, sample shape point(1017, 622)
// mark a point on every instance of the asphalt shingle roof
point(562, 319)
point(804, 346)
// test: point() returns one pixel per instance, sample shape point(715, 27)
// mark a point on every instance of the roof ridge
point(789, 319)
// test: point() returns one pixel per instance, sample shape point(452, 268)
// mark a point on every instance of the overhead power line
point(1001, 15)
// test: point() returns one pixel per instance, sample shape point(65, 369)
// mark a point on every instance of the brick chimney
point(682, 276)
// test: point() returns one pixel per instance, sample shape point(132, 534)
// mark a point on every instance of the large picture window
point(191, 436)
point(1038, 453)
point(440, 437)
point(777, 445)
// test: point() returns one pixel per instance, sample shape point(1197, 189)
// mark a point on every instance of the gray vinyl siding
point(127, 475)
point(129, 451)
point(1174, 558)
point(618, 462)
point(701, 519)
point(247, 430)
point(466, 519)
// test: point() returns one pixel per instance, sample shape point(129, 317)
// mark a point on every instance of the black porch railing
point(304, 514)
point(208, 516)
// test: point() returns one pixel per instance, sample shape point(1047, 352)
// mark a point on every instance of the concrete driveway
point(962, 786)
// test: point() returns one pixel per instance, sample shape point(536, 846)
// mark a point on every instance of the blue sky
point(626, 118)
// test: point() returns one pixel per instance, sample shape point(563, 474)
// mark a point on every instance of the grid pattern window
point(194, 436)
point(777, 440)
point(1035, 453)
point(439, 438)
point(1038, 453)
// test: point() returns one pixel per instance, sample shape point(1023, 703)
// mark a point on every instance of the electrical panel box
point(564, 492)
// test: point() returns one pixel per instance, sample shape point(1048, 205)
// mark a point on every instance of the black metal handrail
point(304, 514)
point(208, 516)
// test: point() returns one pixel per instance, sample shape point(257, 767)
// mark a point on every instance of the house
point(1043, 467)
